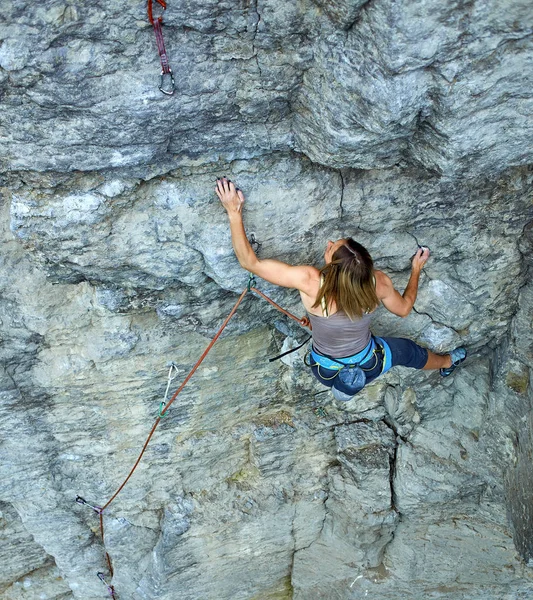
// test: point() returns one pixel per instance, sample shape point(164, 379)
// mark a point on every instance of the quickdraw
point(170, 379)
point(166, 82)
point(110, 588)
point(251, 282)
point(80, 500)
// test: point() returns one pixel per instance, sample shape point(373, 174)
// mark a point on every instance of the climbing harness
point(166, 82)
point(164, 407)
point(387, 354)
point(328, 362)
point(349, 370)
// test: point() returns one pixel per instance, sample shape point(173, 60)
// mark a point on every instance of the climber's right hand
point(420, 258)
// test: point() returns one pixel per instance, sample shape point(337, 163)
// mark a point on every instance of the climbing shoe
point(458, 355)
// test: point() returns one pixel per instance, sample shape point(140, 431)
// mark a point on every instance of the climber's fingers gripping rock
point(231, 197)
point(420, 258)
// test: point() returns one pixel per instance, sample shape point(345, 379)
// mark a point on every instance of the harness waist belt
point(338, 363)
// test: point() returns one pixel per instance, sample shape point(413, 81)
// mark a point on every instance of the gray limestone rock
point(404, 86)
point(343, 13)
point(397, 123)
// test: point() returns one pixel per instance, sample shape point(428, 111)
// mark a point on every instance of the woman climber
point(340, 299)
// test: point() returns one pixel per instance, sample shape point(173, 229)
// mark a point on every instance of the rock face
point(396, 123)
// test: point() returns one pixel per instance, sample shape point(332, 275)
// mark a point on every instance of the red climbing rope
point(108, 558)
point(166, 71)
point(150, 9)
point(191, 373)
point(304, 321)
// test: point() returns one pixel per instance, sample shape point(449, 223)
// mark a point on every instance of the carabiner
point(170, 90)
point(150, 10)
point(110, 588)
point(97, 509)
point(251, 281)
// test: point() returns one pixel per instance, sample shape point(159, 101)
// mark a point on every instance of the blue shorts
point(403, 353)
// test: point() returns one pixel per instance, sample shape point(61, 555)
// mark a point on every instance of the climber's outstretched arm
point(393, 301)
point(274, 271)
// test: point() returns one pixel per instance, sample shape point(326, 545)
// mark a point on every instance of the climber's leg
point(409, 354)
point(437, 361)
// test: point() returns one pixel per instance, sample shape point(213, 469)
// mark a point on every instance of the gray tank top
point(337, 336)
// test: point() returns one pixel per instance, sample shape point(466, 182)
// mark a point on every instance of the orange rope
point(191, 373)
point(304, 321)
point(150, 10)
point(108, 558)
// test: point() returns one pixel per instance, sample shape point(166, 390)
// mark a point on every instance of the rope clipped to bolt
point(170, 379)
point(164, 406)
point(166, 82)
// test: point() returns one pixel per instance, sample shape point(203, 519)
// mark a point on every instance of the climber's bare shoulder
point(304, 278)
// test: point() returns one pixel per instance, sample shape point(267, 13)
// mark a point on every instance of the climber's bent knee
point(406, 353)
